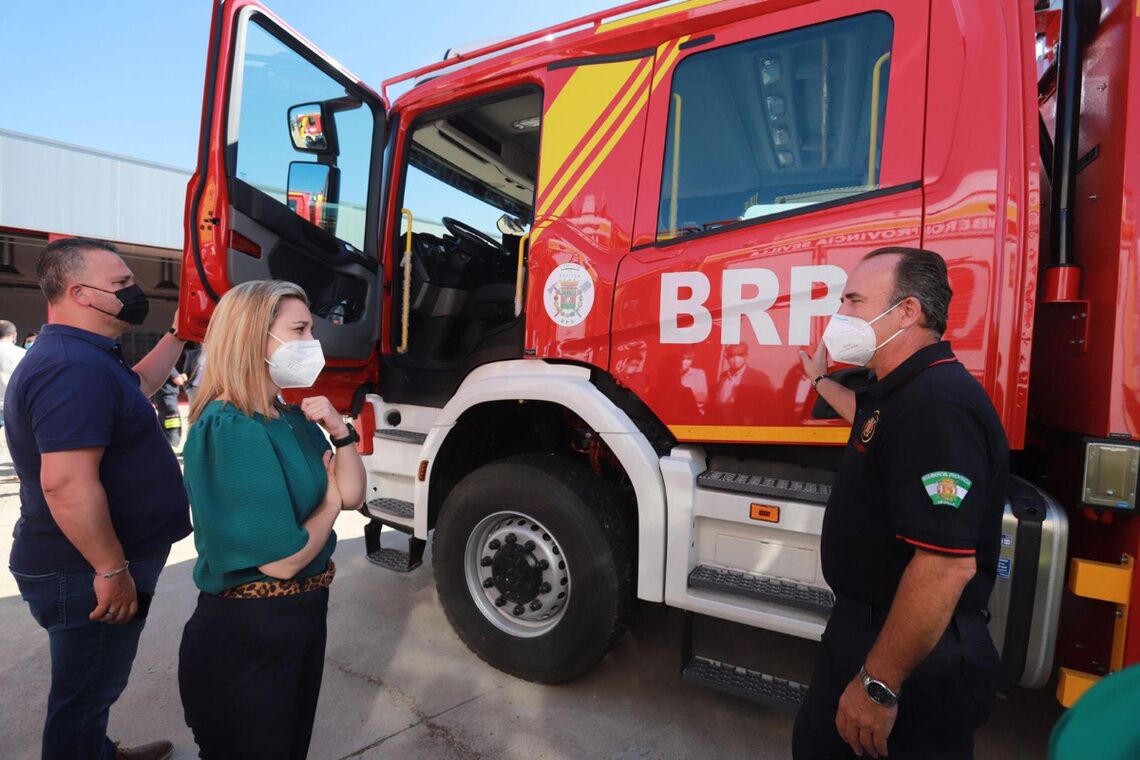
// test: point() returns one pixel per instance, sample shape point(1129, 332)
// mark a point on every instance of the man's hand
point(816, 364)
point(321, 411)
point(116, 597)
point(180, 380)
point(841, 399)
point(863, 723)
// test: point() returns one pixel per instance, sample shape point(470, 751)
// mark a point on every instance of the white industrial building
point(50, 189)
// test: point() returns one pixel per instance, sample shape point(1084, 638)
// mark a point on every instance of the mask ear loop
point(271, 335)
point(888, 311)
point(885, 313)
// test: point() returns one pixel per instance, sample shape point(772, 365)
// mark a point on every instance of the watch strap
point(349, 439)
point(876, 690)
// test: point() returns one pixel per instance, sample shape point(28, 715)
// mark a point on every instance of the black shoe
point(161, 750)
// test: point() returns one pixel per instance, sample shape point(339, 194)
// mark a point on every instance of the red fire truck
point(306, 205)
point(584, 388)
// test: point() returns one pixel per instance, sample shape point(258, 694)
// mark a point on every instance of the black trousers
point(943, 702)
point(249, 671)
point(169, 416)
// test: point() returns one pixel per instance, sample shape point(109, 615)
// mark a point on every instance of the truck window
point(775, 124)
point(275, 78)
point(469, 184)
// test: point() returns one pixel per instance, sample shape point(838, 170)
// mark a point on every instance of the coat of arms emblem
point(569, 295)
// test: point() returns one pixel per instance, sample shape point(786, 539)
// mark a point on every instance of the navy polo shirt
point(74, 391)
point(926, 467)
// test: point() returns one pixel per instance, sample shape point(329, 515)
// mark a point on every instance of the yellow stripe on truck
point(740, 434)
point(572, 116)
point(637, 94)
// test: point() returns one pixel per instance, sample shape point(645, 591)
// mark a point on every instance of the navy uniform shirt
point(75, 391)
point(926, 466)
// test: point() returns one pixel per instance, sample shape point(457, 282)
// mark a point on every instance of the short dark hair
point(7, 329)
point(62, 260)
point(921, 274)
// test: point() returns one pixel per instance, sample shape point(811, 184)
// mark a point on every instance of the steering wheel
point(465, 231)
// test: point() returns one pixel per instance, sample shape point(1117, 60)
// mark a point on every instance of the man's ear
point(77, 293)
point(912, 312)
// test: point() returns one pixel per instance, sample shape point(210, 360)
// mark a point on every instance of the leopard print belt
point(267, 589)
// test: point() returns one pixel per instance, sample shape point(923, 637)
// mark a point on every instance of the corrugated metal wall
point(46, 186)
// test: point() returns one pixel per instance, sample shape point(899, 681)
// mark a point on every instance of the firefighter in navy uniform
point(165, 400)
point(912, 530)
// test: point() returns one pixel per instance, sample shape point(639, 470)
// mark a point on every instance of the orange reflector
point(765, 512)
point(423, 470)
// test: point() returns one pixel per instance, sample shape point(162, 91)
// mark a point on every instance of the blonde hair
point(234, 347)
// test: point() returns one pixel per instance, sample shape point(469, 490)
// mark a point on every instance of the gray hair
point(63, 261)
point(921, 274)
point(7, 329)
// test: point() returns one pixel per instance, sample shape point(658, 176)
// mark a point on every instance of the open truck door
point(287, 187)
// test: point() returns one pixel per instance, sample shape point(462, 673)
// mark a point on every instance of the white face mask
point(295, 363)
point(851, 340)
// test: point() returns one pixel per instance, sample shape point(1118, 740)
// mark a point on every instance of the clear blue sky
point(126, 76)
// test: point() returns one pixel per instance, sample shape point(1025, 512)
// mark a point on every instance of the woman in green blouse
point(265, 488)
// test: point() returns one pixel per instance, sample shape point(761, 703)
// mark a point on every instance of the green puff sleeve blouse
point(252, 481)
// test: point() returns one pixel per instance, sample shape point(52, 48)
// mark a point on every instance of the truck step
point(398, 560)
point(388, 508)
point(405, 436)
point(742, 682)
point(762, 587)
point(762, 485)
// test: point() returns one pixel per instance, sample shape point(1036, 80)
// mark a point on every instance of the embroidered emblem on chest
point(869, 427)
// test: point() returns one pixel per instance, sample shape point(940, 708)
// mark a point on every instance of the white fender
point(568, 386)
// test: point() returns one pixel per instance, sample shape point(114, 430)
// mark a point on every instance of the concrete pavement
point(399, 684)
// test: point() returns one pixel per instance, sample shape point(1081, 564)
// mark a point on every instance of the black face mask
point(135, 304)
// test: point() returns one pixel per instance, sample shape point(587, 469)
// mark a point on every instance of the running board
point(742, 682)
point(398, 560)
point(762, 485)
point(386, 509)
point(762, 587)
point(734, 679)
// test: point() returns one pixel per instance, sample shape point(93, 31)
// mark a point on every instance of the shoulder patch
point(946, 488)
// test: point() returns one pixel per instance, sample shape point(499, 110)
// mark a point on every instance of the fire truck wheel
point(534, 566)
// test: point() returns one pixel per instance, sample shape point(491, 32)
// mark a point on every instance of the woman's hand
point(332, 498)
point(321, 411)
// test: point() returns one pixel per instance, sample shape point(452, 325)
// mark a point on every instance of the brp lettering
point(747, 294)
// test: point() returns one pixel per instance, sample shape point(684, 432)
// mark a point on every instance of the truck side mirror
point(312, 193)
point(310, 130)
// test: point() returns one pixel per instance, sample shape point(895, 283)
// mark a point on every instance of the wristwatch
point(349, 439)
point(878, 691)
point(815, 383)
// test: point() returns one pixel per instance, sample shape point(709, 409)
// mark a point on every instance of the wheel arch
point(567, 387)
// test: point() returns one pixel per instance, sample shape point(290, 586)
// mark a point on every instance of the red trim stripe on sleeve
point(921, 545)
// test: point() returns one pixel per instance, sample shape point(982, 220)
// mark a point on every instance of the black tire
point(579, 510)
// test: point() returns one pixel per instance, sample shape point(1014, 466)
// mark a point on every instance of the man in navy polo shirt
point(911, 532)
point(101, 495)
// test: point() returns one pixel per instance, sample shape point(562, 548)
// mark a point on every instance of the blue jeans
point(90, 661)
